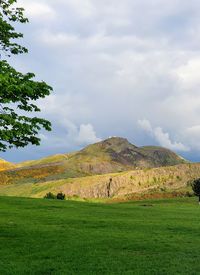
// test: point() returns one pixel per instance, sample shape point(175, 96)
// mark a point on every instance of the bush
point(50, 196)
point(196, 187)
point(154, 179)
point(178, 178)
point(189, 194)
point(60, 196)
point(163, 189)
point(190, 182)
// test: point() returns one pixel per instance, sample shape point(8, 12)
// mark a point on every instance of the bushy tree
point(50, 195)
point(60, 196)
point(18, 91)
point(196, 187)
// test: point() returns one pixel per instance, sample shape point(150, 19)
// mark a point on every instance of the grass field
point(40, 236)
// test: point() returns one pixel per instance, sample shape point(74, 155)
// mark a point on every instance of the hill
point(117, 154)
point(109, 156)
point(149, 182)
point(112, 155)
point(5, 165)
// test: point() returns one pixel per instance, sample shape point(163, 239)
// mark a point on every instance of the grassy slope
point(59, 167)
point(47, 160)
point(55, 237)
point(4, 165)
point(64, 171)
point(126, 184)
point(109, 156)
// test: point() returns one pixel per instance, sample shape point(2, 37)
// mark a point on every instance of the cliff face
point(124, 184)
point(127, 184)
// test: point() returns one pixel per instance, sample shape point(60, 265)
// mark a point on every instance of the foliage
point(18, 91)
point(196, 187)
point(10, 14)
point(189, 194)
point(49, 195)
point(163, 189)
point(60, 196)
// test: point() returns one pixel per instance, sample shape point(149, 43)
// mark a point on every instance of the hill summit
point(112, 155)
point(120, 151)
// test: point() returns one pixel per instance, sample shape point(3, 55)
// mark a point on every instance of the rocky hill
point(109, 156)
point(127, 156)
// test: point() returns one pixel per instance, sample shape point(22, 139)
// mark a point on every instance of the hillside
point(118, 152)
point(112, 155)
point(5, 165)
point(161, 182)
point(122, 156)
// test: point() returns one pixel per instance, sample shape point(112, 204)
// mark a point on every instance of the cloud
point(145, 125)
point(189, 74)
point(192, 136)
point(164, 140)
point(58, 39)
point(38, 10)
point(84, 8)
point(80, 136)
point(86, 135)
point(72, 136)
point(161, 137)
point(113, 62)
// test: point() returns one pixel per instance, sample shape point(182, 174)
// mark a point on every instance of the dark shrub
point(196, 188)
point(60, 196)
point(189, 194)
point(49, 196)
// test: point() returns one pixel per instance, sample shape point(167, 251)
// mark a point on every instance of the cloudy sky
point(126, 68)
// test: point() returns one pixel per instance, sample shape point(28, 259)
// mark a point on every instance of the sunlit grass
point(67, 237)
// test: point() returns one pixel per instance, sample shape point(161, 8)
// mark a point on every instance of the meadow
point(39, 236)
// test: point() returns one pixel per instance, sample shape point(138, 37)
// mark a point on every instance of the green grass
point(40, 236)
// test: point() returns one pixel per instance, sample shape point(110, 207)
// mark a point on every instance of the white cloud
point(79, 136)
point(70, 137)
point(161, 137)
point(189, 73)
point(112, 62)
point(145, 125)
point(192, 136)
point(38, 10)
point(82, 8)
point(86, 135)
point(165, 141)
point(58, 39)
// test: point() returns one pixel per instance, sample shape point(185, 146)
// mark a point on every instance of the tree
point(60, 196)
point(50, 195)
point(196, 187)
point(18, 91)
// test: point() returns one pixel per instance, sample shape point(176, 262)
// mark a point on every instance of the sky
point(126, 68)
